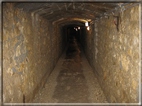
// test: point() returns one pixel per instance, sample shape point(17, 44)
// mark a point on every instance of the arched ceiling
point(71, 22)
point(65, 21)
point(59, 11)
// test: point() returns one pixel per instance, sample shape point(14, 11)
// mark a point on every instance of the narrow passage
point(72, 80)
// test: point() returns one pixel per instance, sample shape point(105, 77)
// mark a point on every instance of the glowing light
point(86, 24)
point(88, 28)
point(78, 27)
point(75, 29)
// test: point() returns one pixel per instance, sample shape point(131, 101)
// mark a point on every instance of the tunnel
point(71, 52)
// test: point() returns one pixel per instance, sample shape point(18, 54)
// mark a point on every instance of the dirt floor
point(72, 80)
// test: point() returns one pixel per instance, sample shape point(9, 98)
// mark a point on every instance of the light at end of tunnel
point(86, 24)
point(88, 28)
point(75, 28)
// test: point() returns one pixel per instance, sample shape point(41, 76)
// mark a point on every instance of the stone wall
point(31, 49)
point(116, 55)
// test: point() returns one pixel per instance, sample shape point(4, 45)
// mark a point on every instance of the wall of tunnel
point(113, 51)
point(32, 46)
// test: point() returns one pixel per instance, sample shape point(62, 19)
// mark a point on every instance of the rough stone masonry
point(30, 52)
point(115, 55)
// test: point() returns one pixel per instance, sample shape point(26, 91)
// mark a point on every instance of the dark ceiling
point(69, 10)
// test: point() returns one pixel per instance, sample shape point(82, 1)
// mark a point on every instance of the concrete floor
point(72, 80)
